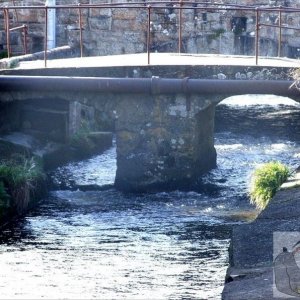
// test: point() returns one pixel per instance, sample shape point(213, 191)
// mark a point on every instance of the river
point(168, 245)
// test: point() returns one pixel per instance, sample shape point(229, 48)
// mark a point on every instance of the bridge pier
point(163, 141)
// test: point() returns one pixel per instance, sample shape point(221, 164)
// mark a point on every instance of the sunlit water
point(110, 245)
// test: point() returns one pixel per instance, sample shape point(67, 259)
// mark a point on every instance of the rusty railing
point(150, 6)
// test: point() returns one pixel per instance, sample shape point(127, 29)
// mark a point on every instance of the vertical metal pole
point(180, 27)
point(46, 37)
point(149, 33)
point(6, 15)
point(5, 27)
point(80, 30)
point(257, 36)
point(25, 28)
point(280, 31)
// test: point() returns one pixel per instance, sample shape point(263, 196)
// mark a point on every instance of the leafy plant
point(81, 141)
point(4, 196)
point(4, 200)
point(18, 178)
point(218, 32)
point(265, 182)
point(20, 170)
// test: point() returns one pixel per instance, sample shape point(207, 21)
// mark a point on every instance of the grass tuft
point(18, 179)
point(265, 181)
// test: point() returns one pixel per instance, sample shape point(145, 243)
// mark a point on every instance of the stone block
point(100, 12)
point(129, 25)
point(125, 14)
point(188, 28)
point(28, 16)
point(101, 23)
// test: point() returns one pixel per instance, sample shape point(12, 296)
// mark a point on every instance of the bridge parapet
point(164, 65)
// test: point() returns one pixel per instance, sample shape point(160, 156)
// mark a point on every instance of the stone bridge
point(163, 115)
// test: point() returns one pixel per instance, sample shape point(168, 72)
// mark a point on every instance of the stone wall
point(116, 31)
point(163, 141)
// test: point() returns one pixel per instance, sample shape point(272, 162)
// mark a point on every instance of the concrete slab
point(161, 59)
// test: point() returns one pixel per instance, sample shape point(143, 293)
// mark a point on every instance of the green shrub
point(4, 200)
point(218, 32)
point(18, 178)
point(265, 182)
point(81, 140)
point(4, 196)
point(20, 170)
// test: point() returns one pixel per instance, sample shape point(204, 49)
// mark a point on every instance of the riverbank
point(25, 161)
point(255, 245)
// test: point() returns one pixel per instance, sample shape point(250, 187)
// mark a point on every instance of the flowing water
point(168, 245)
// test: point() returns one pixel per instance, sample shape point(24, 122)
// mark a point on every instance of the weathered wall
point(163, 141)
point(116, 31)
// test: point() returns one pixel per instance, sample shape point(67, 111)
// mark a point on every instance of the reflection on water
point(111, 245)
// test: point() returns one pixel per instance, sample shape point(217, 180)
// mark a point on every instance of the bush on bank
point(21, 181)
point(86, 142)
point(265, 181)
point(82, 142)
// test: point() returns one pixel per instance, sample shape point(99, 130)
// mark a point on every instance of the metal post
point(180, 27)
point(280, 31)
point(257, 36)
point(46, 37)
point(149, 33)
point(80, 30)
point(25, 31)
point(51, 14)
point(6, 16)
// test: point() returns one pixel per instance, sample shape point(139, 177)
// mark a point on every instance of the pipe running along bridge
point(163, 114)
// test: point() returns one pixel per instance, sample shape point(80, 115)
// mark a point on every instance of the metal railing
point(150, 7)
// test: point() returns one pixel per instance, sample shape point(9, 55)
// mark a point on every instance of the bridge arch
point(265, 113)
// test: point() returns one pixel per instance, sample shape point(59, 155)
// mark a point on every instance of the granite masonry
point(120, 30)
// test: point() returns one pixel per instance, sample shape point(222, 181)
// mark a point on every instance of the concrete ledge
point(250, 275)
point(56, 53)
point(163, 59)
